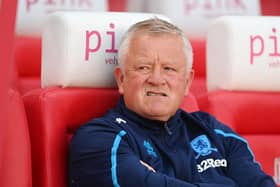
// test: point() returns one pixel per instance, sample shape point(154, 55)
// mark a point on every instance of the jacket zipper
point(169, 132)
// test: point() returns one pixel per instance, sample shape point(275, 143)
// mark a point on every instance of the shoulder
point(97, 131)
point(208, 121)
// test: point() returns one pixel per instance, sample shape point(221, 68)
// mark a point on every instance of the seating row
point(54, 113)
point(28, 41)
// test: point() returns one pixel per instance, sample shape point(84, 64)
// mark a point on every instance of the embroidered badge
point(120, 120)
point(149, 148)
point(202, 146)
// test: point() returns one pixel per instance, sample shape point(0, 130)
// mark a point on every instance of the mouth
point(151, 93)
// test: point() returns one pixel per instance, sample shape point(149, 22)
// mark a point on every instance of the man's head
point(155, 68)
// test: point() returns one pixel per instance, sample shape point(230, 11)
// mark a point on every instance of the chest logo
point(202, 146)
point(149, 148)
point(120, 120)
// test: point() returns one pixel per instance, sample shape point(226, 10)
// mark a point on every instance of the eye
point(169, 69)
point(143, 69)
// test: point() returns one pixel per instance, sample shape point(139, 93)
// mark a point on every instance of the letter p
point(89, 50)
point(253, 52)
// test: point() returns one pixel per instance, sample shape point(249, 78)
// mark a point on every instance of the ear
point(189, 79)
point(119, 78)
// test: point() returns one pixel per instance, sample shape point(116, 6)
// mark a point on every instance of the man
point(147, 140)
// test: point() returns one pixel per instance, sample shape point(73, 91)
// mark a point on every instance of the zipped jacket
point(188, 150)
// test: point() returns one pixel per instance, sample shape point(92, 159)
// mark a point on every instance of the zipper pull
point(167, 129)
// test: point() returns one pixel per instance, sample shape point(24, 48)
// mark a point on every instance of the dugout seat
point(74, 90)
point(16, 152)
point(15, 155)
point(244, 91)
point(199, 57)
point(27, 56)
point(254, 115)
point(31, 18)
point(53, 115)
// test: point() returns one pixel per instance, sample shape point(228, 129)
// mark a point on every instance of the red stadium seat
point(270, 7)
point(237, 108)
point(120, 5)
point(16, 155)
point(253, 115)
point(53, 115)
point(199, 65)
point(27, 57)
point(265, 148)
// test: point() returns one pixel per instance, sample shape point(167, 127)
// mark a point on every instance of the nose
point(156, 77)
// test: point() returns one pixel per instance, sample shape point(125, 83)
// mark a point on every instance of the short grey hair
point(154, 26)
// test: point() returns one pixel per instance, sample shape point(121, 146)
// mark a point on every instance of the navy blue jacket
point(190, 149)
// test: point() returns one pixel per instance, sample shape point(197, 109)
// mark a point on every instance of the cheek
point(133, 85)
point(178, 82)
point(178, 86)
point(135, 80)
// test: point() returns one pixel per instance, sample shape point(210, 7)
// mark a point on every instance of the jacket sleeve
point(103, 157)
point(242, 166)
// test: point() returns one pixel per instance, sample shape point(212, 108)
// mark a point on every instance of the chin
point(159, 115)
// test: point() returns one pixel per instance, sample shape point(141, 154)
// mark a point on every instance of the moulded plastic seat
point(199, 65)
point(270, 7)
point(16, 156)
point(243, 85)
point(245, 111)
point(27, 57)
point(265, 148)
point(53, 115)
point(254, 115)
point(74, 90)
point(31, 18)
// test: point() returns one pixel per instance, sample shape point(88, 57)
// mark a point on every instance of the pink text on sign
point(94, 41)
point(213, 5)
point(259, 43)
point(59, 4)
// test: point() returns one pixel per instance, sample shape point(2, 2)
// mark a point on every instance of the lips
point(152, 93)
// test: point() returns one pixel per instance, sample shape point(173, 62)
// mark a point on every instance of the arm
point(242, 166)
point(104, 158)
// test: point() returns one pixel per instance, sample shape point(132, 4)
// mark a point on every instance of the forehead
point(156, 41)
point(164, 45)
point(143, 35)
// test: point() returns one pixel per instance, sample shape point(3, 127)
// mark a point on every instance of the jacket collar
point(152, 125)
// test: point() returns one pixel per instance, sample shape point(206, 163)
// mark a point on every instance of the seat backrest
point(194, 16)
point(242, 78)
point(27, 57)
point(31, 18)
point(15, 156)
point(270, 7)
point(246, 81)
point(53, 115)
point(249, 63)
point(97, 37)
point(68, 100)
point(246, 112)
point(266, 149)
point(16, 152)
point(32, 15)
point(7, 20)
point(120, 5)
point(199, 57)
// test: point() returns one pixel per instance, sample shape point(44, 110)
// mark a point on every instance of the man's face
point(154, 78)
